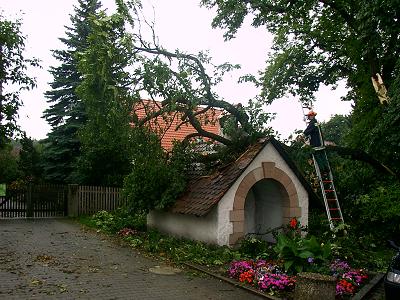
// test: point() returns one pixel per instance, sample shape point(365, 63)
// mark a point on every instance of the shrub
point(301, 253)
point(155, 180)
point(113, 222)
point(252, 247)
point(380, 208)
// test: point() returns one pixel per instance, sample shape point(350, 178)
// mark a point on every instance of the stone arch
point(268, 170)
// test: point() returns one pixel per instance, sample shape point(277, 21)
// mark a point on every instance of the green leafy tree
point(183, 83)
point(187, 90)
point(107, 101)
point(322, 42)
point(66, 113)
point(380, 208)
point(8, 164)
point(336, 129)
point(186, 84)
point(110, 148)
point(29, 163)
point(13, 77)
point(383, 139)
point(155, 180)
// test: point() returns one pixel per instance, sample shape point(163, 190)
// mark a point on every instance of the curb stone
point(361, 295)
point(233, 282)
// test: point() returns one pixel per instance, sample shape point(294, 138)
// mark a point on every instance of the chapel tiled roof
point(169, 127)
point(204, 192)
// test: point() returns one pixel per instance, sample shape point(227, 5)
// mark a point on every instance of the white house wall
point(188, 226)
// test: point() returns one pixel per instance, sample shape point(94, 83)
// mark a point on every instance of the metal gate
point(35, 201)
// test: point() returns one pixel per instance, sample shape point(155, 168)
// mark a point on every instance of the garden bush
point(300, 253)
point(112, 222)
point(252, 247)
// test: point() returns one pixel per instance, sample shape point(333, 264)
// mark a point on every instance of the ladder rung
point(328, 190)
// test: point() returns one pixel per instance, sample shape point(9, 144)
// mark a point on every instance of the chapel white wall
point(268, 154)
point(187, 226)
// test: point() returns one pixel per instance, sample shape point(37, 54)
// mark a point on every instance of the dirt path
point(57, 259)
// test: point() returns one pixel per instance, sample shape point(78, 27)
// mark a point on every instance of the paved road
point(57, 259)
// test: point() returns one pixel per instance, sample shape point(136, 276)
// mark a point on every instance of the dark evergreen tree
point(66, 113)
point(8, 164)
point(29, 160)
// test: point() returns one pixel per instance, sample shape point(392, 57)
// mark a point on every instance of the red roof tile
point(203, 193)
point(169, 125)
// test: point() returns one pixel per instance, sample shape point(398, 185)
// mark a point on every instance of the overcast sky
point(180, 24)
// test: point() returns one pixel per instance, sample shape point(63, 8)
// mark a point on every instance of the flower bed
point(269, 277)
point(264, 275)
point(348, 280)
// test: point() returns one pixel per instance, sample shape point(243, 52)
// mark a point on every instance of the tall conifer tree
point(66, 113)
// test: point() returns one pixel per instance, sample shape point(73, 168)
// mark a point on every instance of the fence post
point(29, 202)
point(73, 200)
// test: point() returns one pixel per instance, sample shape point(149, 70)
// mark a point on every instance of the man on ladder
point(317, 143)
point(323, 170)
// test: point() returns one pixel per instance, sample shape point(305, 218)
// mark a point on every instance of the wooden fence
point(38, 201)
point(92, 199)
point(47, 200)
point(14, 204)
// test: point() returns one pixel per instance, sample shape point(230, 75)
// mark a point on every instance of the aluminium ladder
point(331, 201)
point(332, 206)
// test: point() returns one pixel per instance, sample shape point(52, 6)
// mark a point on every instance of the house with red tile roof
point(170, 127)
point(261, 190)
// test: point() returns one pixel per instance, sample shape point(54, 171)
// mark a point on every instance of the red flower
point(247, 277)
point(293, 223)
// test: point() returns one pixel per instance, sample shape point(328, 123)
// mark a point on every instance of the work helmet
point(311, 113)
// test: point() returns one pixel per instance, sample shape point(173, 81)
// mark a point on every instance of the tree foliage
point(378, 132)
point(320, 41)
point(66, 113)
point(13, 75)
point(108, 103)
point(336, 129)
point(118, 68)
point(8, 164)
point(156, 179)
point(185, 87)
point(29, 163)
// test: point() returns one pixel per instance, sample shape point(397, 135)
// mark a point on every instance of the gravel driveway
point(58, 259)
